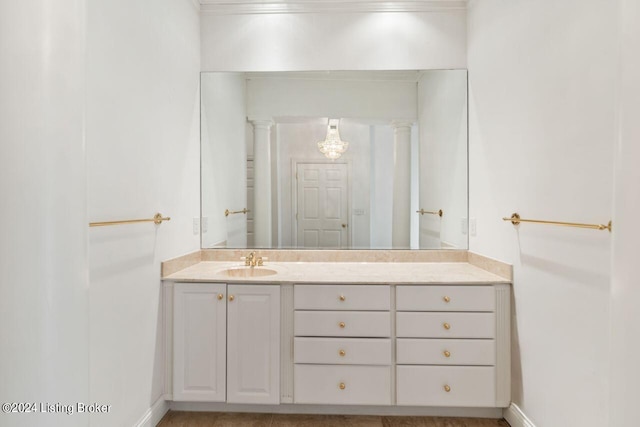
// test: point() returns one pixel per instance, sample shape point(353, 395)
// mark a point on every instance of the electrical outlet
point(196, 225)
point(473, 226)
point(205, 224)
point(464, 226)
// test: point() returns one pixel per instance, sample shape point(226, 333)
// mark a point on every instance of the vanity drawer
point(343, 351)
point(445, 325)
point(342, 323)
point(445, 352)
point(342, 385)
point(469, 386)
point(445, 298)
point(341, 297)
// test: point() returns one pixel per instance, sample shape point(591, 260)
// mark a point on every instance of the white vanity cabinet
point(253, 344)
point(226, 343)
point(399, 345)
point(342, 344)
point(453, 345)
point(199, 342)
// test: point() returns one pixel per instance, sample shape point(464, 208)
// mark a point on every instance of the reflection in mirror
point(335, 160)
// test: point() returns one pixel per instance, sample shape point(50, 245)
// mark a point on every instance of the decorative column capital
point(261, 122)
point(401, 124)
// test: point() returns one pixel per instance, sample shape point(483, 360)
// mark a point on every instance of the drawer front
point(446, 386)
point(341, 297)
point(445, 325)
point(445, 352)
point(343, 351)
point(342, 385)
point(342, 324)
point(445, 298)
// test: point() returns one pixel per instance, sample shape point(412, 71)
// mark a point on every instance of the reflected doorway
point(322, 205)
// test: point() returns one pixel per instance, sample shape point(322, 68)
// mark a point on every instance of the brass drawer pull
point(342, 325)
point(342, 298)
point(342, 353)
point(446, 326)
point(447, 353)
point(446, 299)
point(447, 388)
point(231, 297)
point(220, 296)
point(342, 386)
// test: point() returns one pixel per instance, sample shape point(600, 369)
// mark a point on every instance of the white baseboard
point(153, 416)
point(516, 418)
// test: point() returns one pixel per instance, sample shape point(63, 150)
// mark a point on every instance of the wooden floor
point(227, 419)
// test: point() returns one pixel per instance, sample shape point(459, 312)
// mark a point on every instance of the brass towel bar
point(438, 212)
point(515, 220)
point(227, 212)
point(157, 219)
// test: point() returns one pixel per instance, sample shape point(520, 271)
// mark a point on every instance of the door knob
point(344, 225)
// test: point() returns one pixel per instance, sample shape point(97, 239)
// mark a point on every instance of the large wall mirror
point(334, 160)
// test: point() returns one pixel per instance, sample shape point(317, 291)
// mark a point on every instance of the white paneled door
point(253, 344)
point(322, 205)
point(199, 328)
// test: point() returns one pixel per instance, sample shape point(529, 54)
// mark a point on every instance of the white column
point(401, 184)
point(262, 182)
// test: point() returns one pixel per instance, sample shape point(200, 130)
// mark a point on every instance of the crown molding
point(242, 7)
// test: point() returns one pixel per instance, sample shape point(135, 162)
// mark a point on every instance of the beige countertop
point(462, 273)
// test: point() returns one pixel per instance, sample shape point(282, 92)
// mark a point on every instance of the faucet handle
point(261, 259)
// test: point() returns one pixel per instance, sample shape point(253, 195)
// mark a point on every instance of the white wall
point(326, 41)
point(442, 108)
point(143, 157)
point(356, 98)
point(541, 78)
point(224, 159)
point(44, 299)
point(625, 292)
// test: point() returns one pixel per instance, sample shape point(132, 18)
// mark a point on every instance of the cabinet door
point(199, 328)
point(253, 344)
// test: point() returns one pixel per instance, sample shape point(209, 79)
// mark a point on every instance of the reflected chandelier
point(333, 147)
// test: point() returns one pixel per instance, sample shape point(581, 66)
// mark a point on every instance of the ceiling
point(327, 6)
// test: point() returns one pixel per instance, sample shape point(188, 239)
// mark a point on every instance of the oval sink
point(247, 272)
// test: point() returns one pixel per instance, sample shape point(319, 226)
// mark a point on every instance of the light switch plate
point(464, 226)
point(196, 225)
point(204, 225)
point(473, 227)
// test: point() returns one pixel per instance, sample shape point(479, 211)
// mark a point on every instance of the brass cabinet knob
point(446, 299)
point(342, 353)
point(342, 386)
point(342, 298)
point(231, 297)
point(446, 326)
point(342, 325)
point(447, 388)
point(220, 296)
point(446, 353)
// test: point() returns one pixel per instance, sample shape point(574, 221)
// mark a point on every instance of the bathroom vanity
point(373, 335)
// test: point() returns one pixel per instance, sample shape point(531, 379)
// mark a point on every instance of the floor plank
point(238, 419)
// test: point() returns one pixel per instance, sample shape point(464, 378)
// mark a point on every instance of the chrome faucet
point(252, 260)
